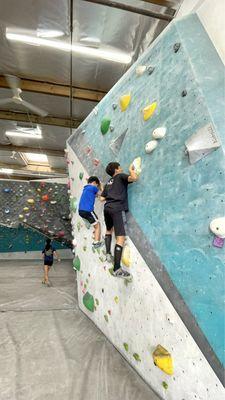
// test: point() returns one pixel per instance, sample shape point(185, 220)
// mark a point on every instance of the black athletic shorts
point(116, 220)
point(48, 260)
point(90, 216)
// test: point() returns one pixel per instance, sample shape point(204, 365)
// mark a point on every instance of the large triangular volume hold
point(116, 144)
point(202, 143)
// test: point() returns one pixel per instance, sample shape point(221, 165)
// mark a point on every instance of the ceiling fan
point(14, 84)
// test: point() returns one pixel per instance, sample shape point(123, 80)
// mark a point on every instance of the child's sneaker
point(96, 245)
point(120, 273)
point(109, 258)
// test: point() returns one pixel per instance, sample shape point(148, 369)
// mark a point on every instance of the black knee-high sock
point(117, 256)
point(108, 241)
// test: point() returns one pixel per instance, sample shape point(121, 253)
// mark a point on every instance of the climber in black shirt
point(115, 208)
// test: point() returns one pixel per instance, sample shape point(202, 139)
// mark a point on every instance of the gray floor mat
point(49, 349)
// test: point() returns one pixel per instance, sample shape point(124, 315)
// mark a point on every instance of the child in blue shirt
point(86, 207)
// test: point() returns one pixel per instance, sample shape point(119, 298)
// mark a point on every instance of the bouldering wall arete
point(42, 206)
point(169, 321)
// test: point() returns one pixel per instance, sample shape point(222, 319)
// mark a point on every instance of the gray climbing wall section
point(42, 206)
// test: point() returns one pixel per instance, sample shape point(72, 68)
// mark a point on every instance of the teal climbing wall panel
point(174, 202)
point(22, 239)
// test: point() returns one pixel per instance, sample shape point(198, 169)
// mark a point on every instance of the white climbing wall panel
point(138, 316)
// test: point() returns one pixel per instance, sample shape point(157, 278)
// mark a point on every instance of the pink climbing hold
point(68, 184)
point(96, 162)
point(61, 234)
point(88, 150)
point(218, 242)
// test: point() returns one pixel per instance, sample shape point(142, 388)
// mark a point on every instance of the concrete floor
point(49, 349)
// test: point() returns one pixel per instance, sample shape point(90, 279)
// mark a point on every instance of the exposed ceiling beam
point(34, 169)
point(136, 10)
point(163, 3)
point(22, 149)
point(22, 117)
point(55, 89)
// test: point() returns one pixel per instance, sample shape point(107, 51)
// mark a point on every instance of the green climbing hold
point(76, 263)
point(84, 248)
point(88, 301)
point(81, 174)
point(106, 318)
point(105, 124)
point(136, 357)
point(165, 385)
point(125, 345)
point(73, 204)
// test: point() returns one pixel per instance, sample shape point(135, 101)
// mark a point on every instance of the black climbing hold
point(176, 47)
point(114, 106)
point(150, 69)
point(184, 93)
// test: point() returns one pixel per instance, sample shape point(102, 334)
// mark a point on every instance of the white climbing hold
point(137, 165)
point(150, 146)
point(217, 226)
point(74, 242)
point(140, 70)
point(159, 133)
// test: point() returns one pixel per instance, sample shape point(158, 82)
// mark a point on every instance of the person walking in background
point(115, 208)
point(48, 254)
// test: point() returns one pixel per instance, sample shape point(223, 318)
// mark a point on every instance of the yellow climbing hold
point(163, 360)
point(125, 101)
point(20, 216)
point(149, 111)
point(26, 209)
point(30, 201)
point(116, 299)
point(126, 259)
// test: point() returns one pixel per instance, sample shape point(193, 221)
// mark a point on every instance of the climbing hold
point(126, 259)
point(88, 301)
point(116, 299)
point(163, 360)
point(111, 128)
point(125, 101)
point(76, 263)
point(53, 202)
point(30, 201)
point(81, 174)
point(73, 204)
point(105, 125)
point(150, 146)
point(7, 210)
point(45, 197)
point(202, 143)
point(126, 347)
point(136, 357)
point(184, 93)
point(97, 302)
point(61, 234)
point(176, 47)
point(218, 242)
point(159, 133)
point(7, 190)
point(109, 312)
point(114, 106)
point(20, 216)
point(74, 242)
point(38, 190)
point(150, 69)
point(106, 318)
point(26, 209)
point(217, 226)
point(149, 110)
point(68, 184)
point(96, 162)
point(140, 70)
point(116, 144)
point(137, 165)
point(165, 385)
point(88, 150)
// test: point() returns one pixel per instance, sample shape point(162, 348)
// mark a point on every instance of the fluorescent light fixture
point(24, 132)
point(6, 171)
point(33, 157)
point(105, 53)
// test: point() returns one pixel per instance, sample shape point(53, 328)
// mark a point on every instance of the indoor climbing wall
point(23, 239)
point(42, 206)
point(167, 114)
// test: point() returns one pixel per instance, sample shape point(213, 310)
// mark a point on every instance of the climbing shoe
point(120, 273)
point(109, 258)
point(96, 245)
